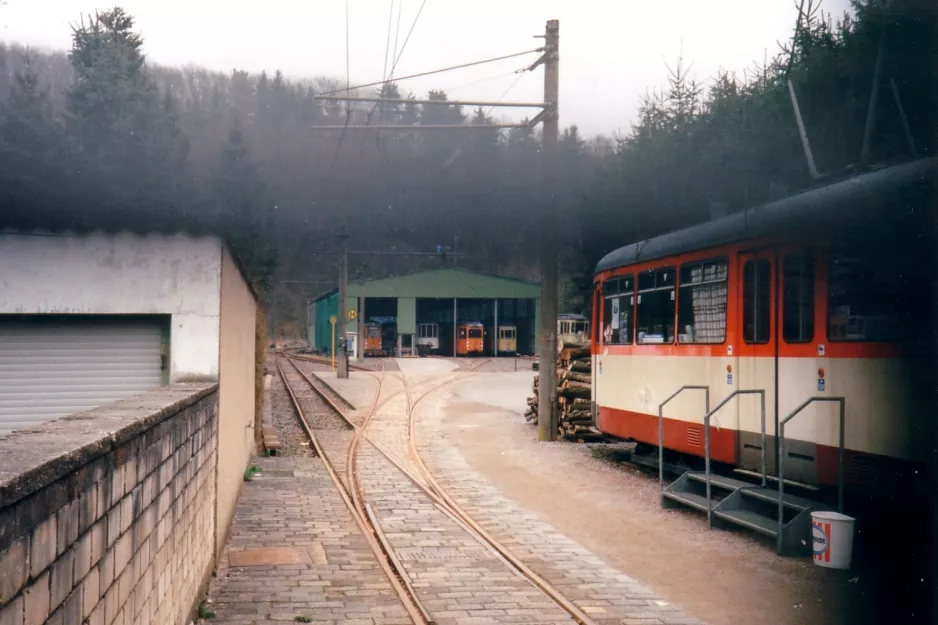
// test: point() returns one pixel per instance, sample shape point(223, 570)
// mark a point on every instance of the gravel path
point(293, 439)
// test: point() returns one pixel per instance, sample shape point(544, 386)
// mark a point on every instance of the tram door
point(802, 367)
point(756, 362)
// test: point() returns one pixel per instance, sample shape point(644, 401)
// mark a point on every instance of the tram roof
point(876, 192)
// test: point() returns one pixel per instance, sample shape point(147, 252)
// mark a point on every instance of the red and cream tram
point(823, 293)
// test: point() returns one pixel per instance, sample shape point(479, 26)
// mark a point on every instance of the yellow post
point(332, 321)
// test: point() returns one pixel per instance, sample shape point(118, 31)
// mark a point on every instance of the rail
point(686, 387)
point(761, 394)
point(781, 459)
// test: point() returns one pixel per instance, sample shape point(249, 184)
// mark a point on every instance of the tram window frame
point(655, 285)
point(799, 330)
point(621, 288)
point(463, 332)
point(686, 287)
point(753, 338)
point(878, 290)
point(475, 332)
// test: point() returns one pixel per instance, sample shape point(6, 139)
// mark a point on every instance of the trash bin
point(832, 538)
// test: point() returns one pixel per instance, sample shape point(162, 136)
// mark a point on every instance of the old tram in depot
point(821, 294)
point(470, 339)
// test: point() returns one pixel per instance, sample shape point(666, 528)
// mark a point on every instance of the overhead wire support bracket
point(425, 127)
point(332, 98)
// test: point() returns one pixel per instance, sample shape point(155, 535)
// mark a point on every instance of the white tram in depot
point(822, 294)
point(428, 338)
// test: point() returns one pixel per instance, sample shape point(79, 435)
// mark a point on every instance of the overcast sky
point(612, 51)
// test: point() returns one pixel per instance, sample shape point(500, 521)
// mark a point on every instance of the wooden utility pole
point(342, 352)
point(547, 348)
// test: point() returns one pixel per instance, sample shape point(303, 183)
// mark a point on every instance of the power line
point(348, 111)
point(348, 66)
point(437, 71)
point(387, 43)
point(407, 38)
point(397, 31)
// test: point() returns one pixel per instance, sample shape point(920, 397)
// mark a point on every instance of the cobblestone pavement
point(295, 551)
point(606, 594)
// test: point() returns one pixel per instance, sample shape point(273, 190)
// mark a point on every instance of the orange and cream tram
point(470, 339)
point(373, 346)
point(823, 293)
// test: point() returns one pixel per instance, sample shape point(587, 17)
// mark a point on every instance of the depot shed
point(444, 297)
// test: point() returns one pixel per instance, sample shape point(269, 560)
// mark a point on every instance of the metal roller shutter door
point(50, 368)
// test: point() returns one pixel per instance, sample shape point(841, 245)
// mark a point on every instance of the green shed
point(408, 304)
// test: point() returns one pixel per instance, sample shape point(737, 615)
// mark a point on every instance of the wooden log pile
point(574, 388)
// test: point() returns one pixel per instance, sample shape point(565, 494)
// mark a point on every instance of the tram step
point(718, 481)
point(751, 520)
point(688, 499)
point(771, 495)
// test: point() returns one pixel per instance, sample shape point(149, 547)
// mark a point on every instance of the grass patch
point(205, 611)
point(250, 471)
point(303, 619)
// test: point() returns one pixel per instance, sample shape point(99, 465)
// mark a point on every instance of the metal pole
point(781, 485)
point(547, 349)
point(874, 98)
point(905, 120)
point(661, 448)
point(812, 168)
point(342, 371)
point(495, 339)
point(454, 327)
point(707, 468)
point(762, 405)
point(840, 468)
point(332, 323)
point(361, 323)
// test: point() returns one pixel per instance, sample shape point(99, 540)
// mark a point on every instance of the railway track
point(423, 479)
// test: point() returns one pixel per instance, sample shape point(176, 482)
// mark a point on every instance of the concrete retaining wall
point(109, 516)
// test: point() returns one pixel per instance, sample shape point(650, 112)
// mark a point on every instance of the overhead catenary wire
point(438, 71)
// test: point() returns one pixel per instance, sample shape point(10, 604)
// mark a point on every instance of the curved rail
point(543, 585)
point(375, 538)
point(432, 489)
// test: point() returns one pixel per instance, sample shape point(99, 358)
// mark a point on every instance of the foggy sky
point(612, 51)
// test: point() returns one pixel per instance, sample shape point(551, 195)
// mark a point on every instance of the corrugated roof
point(859, 198)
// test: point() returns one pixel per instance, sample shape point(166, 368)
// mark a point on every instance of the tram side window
point(617, 311)
point(462, 332)
point(655, 308)
point(867, 299)
point(798, 302)
point(757, 275)
point(702, 302)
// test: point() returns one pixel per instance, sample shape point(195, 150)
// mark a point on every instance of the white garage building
point(89, 318)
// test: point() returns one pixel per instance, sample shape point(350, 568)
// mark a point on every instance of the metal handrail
point(781, 459)
point(686, 387)
point(710, 413)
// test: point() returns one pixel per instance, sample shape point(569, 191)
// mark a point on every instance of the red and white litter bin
point(832, 538)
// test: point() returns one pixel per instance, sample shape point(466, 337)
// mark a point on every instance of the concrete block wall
point(108, 517)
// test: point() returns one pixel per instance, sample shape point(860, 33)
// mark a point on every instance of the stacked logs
point(574, 386)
